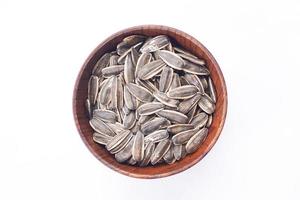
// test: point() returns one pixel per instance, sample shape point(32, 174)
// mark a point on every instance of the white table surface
point(43, 45)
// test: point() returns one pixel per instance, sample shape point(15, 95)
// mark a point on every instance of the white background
point(43, 45)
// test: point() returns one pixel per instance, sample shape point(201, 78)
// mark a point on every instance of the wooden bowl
point(161, 170)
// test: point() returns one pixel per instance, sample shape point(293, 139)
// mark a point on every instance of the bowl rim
point(223, 113)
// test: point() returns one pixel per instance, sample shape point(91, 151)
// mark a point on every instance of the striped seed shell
point(196, 140)
point(129, 120)
point(209, 121)
point(101, 138)
point(157, 136)
point(182, 51)
point(129, 99)
point(171, 59)
point(177, 151)
point(117, 140)
point(105, 92)
point(120, 93)
point(138, 147)
point(134, 57)
point(165, 79)
point(142, 60)
point(192, 113)
point(183, 92)
point(146, 84)
point(122, 145)
point(139, 92)
point(207, 104)
point(186, 105)
point(192, 59)
point(212, 90)
point(177, 128)
point(114, 92)
point(101, 63)
point(195, 69)
point(149, 149)
point(105, 115)
point(125, 153)
point(152, 125)
point(183, 137)
point(116, 127)
point(155, 44)
point(113, 60)
point(88, 108)
point(173, 116)
point(169, 156)
point(93, 87)
point(200, 120)
point(194, 80)
point(101, 127)
point(129, 69)
point(163, 98)
point(112, 70)
point(160, 150)
point(150, 108)
point(204, 82)
point(175, 81)
point(150, 69)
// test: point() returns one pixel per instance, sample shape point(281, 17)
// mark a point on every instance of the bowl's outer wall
point(162, 170)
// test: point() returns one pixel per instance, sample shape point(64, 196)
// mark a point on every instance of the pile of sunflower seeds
point(149, 101)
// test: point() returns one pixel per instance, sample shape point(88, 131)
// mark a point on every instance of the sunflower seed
point(183, 92)
point(88, 108)
point(121, 59)
point(194, 80)
point(114, 92)
point(129, 69)
point(157, 136)
point(93, 89)
point(200, 120)
point(144, 59)
point(160, 150)
point(122, 145)
point(101, 63)
point(163, 98)
point(117, 140)
point(146, 84)
point(134, 57)
point(112, 70)
point(113, 60)
point(155, 44)
point(165, 79)
point(183, 137)
point(129, 100)
point(131, 161)
point(192, 59)
point(101, 138)
point(175, 82)
point(171, 59)
point(173, 116)
point(129, 120)
point(204, 82)
point(150, 69)
point(150, 108)
point(177, 151)
point(105, 92)
point(195, 69)
point(143, 119)
point(192, 113)
point(209, 121)
point(152, 125)
point(138, 147)
point(186, 105)
point(207, 104)
point(182, 51)
point(116, 127)
point(196, 140)
point(125, 153)
point(169, 156)
point(99, 126)
point(105, 115)
point(177, 128)
point(120, 94)
point(147, 154)
point(212, 90)
point(139, 92)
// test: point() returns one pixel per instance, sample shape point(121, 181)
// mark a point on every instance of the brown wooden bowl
point(161, 170)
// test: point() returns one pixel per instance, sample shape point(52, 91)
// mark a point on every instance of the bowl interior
point(161, 170)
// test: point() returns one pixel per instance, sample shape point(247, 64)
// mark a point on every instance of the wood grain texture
point(161, 170)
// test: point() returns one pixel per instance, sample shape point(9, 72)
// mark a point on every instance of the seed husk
point(101, 127)
point(183, 92)
point(157, 136)
point(129, 69)
point(105, 115)
point(150, 108)
point(147, 154)
point(129, 100)
point(105, 92)
point(93, 87)
point(160, 150)
point(192, 59)
point(125, 153)
point(212, 90)
point(200, 120)
point(166, 79)
point(207, 104)
point(117, 140)
point(138, 147)
point(194, 80)
point(195, 69)
point(129, 120)
point(155, 44)
point(163, 98)
point(175, 82)
point(177, 151)
point(173, 116)
point(101, 63)
point(152, 125)
point(171, 59)
point(101, 138)
point(209, 121)
point(196, 140)
point(150, 69)
point(139, 92)
point(112, 70)
point(177, 128)
point(144, 59)
point(186, 105)
point(183, 137)
point(169, 156)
